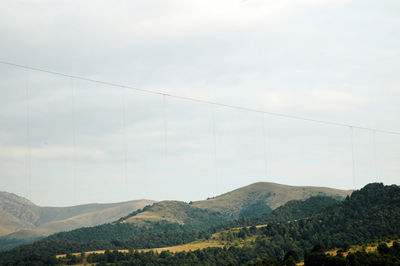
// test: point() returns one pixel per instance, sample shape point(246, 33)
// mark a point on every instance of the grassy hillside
point(170, 211)
point(69, 218)
point(94, 216)
point(160, 234)
point(252, 200)
point(177, 212)
point(272, 194)
point(21, 219)
point(293, 210)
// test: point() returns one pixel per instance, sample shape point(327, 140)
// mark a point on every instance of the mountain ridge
point(246, 200)
point(22, 219)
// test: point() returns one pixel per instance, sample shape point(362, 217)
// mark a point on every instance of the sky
point(67, 141)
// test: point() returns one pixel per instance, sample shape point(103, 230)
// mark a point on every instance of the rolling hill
point(254, 199)
point(27, 222)
point(22, 220)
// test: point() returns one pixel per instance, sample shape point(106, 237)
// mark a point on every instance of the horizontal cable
point(248, 109)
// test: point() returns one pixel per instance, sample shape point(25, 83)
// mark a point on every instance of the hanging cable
point(28, 133)
point(265, 147)
point(125, 162)
point(165, 126)
point(215, 149)
point(375, 155)
point(73, 139)
point(249, 109)
point(353, 157)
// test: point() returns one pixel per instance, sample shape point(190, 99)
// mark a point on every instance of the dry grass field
point(186, 247)
point(189, 247)
point(370, 247)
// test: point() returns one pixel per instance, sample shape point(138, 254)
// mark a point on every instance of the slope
point(22, 221)
point(271, 194)
point(17, 213)
point(252, 200)
point(176, 212)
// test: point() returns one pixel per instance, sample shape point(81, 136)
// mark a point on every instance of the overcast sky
point(330, 60)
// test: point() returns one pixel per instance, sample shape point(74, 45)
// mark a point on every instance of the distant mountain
point(16, 213)
point(22, 220)
point(251, 200)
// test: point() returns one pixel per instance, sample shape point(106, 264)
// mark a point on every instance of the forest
point(315, 257)
point(290, 233)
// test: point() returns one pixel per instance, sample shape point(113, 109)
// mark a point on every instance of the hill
point(176, 212)
point(247, 201)
point(293, 210)
point(270, 194)
point(22, 221)
point(251, 200)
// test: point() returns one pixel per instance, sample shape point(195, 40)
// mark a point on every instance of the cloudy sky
point(87, 142)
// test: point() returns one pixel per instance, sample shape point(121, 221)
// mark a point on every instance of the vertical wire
point(73, 139)
point(124, 143)
point(352, 156)
point(215, 149)
point(265, 147)
point(165, 126)
point(28, 133)
point(375, 155)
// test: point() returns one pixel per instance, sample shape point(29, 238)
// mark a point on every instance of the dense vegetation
point(292, 210)
point(114, 231)
point(108, 236)
point(255, 209)
point(148, 236)
point(222, 256)
point(370, 213)
point(208, 256)
point(384, 256)
point(6, 244)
